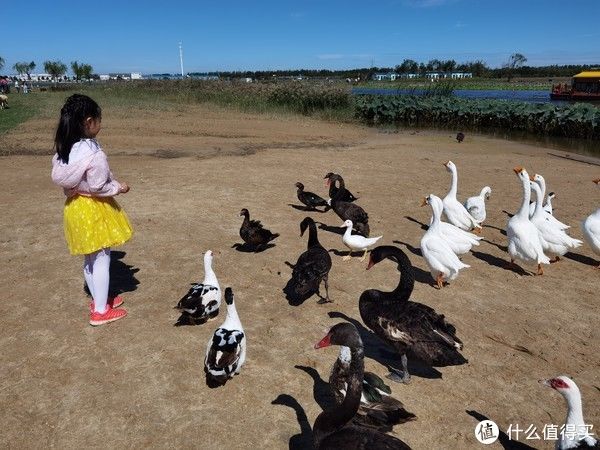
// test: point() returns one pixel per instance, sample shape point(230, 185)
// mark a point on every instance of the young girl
point(93, 220)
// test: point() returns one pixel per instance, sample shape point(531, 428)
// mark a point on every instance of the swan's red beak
point(424, 201)
point(597, 180)
point(371, 263)
point(531, 178)
point(325, 342)
point(518, 170)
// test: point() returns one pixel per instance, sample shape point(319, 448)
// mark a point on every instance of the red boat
point(585, 86)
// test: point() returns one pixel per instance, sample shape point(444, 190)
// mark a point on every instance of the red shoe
point(113, 302)
point(110, 315)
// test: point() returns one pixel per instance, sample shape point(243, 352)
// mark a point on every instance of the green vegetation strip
point(19, 110)
point(580, 120)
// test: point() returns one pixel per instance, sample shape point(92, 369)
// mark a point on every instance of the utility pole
point(181, 59)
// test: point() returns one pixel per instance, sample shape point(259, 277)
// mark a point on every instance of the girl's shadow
point(122, 276)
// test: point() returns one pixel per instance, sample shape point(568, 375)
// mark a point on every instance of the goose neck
point(524, 210)
point(336, 417)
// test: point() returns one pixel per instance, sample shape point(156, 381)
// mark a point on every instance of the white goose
point(226, 350)
point(577, 434)
point(476, 205)
point(542, 184)
point(524, 239)
point(460, 241)
point(356, 242)
point(455, 211)
point(203, 300)
point(443, 263)
point(591, 229)
point(555, 241)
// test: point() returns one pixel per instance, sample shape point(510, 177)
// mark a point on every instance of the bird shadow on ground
point(421, 276)
point(503, 438)
point(304, 439)
point(410, 248)
point(423, 226)
point(499, 262)
point(582, 259)
point(501, 230)
point(321, 389)
point(306, 208)
point(503, 248)
point(385, 355)
point(331, 229)
point(507, 213)
point(122, 276)
point(245, 248)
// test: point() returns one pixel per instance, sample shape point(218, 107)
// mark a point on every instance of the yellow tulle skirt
point(94, 223)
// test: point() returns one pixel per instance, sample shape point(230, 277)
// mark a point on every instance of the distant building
point(206, 76)
point(458, 75)
point(136, 76)
point(389, 76)
point(35, 77)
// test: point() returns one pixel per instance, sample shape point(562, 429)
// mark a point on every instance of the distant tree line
point(514, 66)
point(56, 69)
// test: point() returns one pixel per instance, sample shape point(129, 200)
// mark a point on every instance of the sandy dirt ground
point(139, 382)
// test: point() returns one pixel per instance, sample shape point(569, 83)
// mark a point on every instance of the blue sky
point(143, 36)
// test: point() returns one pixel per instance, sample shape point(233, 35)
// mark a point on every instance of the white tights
point(96, 270)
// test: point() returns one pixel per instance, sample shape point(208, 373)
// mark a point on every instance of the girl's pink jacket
point(87, 172)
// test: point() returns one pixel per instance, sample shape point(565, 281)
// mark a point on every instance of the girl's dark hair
point(71, 123)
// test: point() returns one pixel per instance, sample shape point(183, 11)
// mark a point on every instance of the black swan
point(226, 350)
point(310, 199)
point(312, 267)
point(460, 136)
point(331, 429)
point(349, 211)
point(377, 406)
point(253, 233)
point(346, 196)
point(411, 328)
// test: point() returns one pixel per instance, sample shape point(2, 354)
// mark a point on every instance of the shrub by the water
point(580, 120)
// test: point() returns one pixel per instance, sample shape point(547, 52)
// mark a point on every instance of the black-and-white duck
point(312, 267)
point(332, 428)
point(203, 300)
point(253, 233)
point(349, 211)
point(577, 433)
point(377, 406)
point(309, 199)
point(411, 328)
point(332, 179)
point(226, 350)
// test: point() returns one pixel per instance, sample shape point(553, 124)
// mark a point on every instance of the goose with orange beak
point(524, 239)
point(591, 228)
